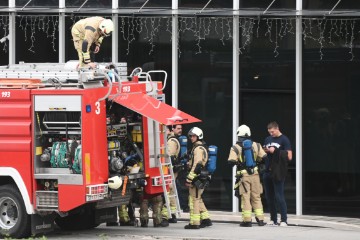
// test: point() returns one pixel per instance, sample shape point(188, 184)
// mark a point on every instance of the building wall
point(331, 118)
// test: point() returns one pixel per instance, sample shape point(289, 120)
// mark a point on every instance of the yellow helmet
point(106, 26)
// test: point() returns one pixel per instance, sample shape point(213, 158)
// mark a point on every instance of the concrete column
point(174, 55)
point(235, 93)
point(12, 34)
point(299, 125)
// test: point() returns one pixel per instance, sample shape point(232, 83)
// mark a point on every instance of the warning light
point(88, 108)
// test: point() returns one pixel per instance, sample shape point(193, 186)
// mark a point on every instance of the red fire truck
point(74, 143)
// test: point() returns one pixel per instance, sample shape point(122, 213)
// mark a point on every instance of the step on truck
point(75, 143)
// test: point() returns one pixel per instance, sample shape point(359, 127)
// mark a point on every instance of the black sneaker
point(261, 223)
point(172, 219)
point(245, 224)
point(205, 223)
point(190, 226)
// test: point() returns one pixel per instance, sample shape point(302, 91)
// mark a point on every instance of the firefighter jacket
point(87, 30)
point(236, 156)
point(198, 154)
point(173, 146)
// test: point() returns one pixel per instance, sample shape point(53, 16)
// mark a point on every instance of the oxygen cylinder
point(248, 153)
point(183, 145)
point(211, 165)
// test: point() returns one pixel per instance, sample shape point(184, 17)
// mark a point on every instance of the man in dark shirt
point(274, 187)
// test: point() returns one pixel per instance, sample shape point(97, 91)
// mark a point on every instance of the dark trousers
point(183, 192)
point(274, 193)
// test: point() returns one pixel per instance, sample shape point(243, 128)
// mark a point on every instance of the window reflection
point(151, 3)
point(263, 4)
point(331, 133)
point(37, 38)
point(4, 3)
point(37, 3)
point(328, 5)
point(205, 91)
point(89, 3)
point(202, 3)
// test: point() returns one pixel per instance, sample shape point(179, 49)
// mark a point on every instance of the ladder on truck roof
point(62, 72)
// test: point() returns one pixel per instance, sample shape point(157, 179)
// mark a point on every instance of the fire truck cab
point(74, 144)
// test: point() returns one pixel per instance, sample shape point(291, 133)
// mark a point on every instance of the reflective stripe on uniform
point(191, 176)
point(244, 171)
point(204, 215)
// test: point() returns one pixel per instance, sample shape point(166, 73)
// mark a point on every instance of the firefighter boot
point(128, 223)
point(164, 223)
point(261, 223)
point(245, 224)
point(173, 219)
point(144, 223)
point(190, 226)
point(205, 223)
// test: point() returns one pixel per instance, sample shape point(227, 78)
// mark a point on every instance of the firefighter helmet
point(106, 26)
point(115, 182)
point(243, 131)
point(196, 131)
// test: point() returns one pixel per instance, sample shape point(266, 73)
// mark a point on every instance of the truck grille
point(47, 200)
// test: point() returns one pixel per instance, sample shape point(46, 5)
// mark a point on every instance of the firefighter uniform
point(173, 147)
point(198, 211)
point(157, 204)
point(248, 183)
point(85, 33)
point(126, 215)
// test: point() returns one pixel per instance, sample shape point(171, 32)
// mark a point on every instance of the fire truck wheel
point(14, 221)
point(81, 220)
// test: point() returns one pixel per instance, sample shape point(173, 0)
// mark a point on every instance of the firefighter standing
point(88, 33)
point(248, 179)
point(173, 147)
point(157, 203)
point(199, 216)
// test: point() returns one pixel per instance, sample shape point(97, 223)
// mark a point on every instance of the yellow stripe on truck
point(87, 168)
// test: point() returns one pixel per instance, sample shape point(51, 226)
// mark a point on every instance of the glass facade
point(4, 3)
point(331, 124)
point(139, 3)
point(4, 46)
point(89, 3)
point(36, 39)
point(201, 3)
point(267, 82)
point(37, 3)
point(205, 91)
point(263, 4)
point(328, 5)
point(265, 94)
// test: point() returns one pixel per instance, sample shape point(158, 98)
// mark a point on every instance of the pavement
point(340, 223)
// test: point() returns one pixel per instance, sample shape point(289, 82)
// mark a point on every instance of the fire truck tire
point(82, 220)
point(14, 221)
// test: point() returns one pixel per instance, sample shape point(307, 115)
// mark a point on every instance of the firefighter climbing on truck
point(61, 160)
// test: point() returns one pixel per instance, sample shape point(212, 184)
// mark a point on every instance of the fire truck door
point(150, 107)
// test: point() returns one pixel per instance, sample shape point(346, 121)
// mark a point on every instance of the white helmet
point(196, 131)
point(106, 26)
point(115, 182)
point(243, 131)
